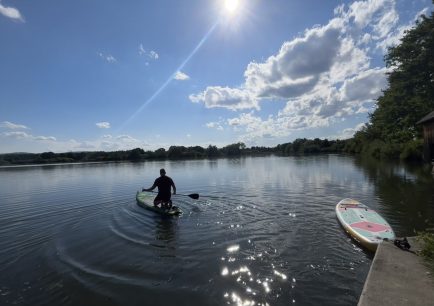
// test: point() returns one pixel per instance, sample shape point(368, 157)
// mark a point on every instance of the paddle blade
point(194, 196)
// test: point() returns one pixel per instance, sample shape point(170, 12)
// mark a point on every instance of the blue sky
point(109, 75)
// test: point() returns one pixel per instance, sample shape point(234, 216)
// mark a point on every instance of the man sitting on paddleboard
point(164, 183)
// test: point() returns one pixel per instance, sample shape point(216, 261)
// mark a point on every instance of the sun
point(231, 6)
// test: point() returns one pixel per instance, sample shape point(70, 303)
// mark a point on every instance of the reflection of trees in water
point(212, 163)
point(238, 162)
point(406, 192)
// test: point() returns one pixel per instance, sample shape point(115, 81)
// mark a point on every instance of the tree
point(160, 153)
point(136, 154)
point(410, 95)
point(48, 155)
point(176, 151)
point(233, 149)
point(212, 151)
point(297, 145)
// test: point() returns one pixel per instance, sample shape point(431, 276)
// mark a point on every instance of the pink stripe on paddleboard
point(370, 226)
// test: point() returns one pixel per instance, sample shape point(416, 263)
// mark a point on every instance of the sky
point(116, 75)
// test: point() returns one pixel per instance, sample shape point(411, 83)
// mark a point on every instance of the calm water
point(264, 231)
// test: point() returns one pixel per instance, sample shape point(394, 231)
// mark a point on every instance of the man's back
point(164, 183)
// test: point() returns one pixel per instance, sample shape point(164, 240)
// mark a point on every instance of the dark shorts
point(163, 197)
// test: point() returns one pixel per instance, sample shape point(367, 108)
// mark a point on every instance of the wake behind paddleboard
point(146, 200)
point(363, 224)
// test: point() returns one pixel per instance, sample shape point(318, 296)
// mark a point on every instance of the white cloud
point(254, 128)
point(108, 146)
point(141, 50)
point(325, 75)
point(17, 135)
point(110, 59)
point(107, 143)
point(126, 138)
point(225, 97)
point(371, 12)
point(51, 138)
point(320, 108)
point(18, 141)
point(366, 86)
point(215, 125)
point(366, 39)
point(295, 70)
point(12, 126)
point(348, 133)
point(181, 76)
point(386, 23)
point(11, 12)
point(246, 119)
point(153, 55)
point(24, 135)
point(103, 125)
point(394, 36)
point(107, 57)
point(349, 61)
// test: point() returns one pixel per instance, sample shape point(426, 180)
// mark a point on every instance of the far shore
point(55, 164)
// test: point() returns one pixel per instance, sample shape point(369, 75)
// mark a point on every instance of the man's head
point(162, 172)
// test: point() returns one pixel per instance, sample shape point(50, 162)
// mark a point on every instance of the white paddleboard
point(363, 224)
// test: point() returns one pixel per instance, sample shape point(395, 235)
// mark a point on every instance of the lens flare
point(231, 5)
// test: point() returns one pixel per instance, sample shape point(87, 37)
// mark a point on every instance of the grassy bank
point(427, 252)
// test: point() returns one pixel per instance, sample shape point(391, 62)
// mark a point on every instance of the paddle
point(194, 196)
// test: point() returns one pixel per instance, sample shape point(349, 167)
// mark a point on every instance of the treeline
point(299, 146)
point(392, 131)
point(308, 146)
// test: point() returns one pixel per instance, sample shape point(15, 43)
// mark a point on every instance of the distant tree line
point(315, 146)
point(299, 146)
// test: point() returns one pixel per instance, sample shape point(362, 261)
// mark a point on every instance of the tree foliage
point(235, 150)
point(392, 130)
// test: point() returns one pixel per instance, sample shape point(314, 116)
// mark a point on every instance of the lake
point(263, 232)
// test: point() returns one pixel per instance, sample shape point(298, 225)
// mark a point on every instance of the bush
point(374, 148)
point(412, 150)
point(391, 150)
point(382, 150)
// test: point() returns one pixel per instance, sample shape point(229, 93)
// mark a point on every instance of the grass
point(427, 252)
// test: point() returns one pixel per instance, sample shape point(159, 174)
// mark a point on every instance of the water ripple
point(263, 232)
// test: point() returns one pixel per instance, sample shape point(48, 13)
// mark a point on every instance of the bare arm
point(174, 187)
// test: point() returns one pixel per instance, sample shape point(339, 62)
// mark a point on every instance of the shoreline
point(55, 164)
point(398, 277)
point(168, 159)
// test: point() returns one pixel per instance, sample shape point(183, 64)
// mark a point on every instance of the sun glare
point(231, 6)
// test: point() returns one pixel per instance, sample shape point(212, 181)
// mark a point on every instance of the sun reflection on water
point(225, 271)
point(248, 287)
point(233, 248)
